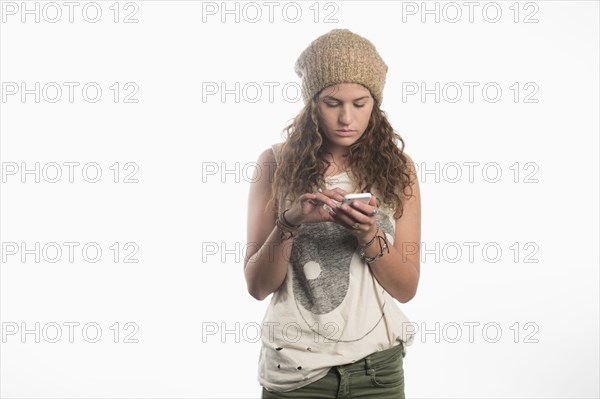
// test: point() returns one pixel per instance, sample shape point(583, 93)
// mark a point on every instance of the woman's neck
point(337, 164)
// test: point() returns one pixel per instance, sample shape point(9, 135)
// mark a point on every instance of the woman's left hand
point(358, 218)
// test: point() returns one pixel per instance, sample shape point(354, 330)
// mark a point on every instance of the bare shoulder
point(410, 163)
point(267, 155)
point(266, 167)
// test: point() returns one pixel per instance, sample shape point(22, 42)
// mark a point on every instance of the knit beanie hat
point(340, 56)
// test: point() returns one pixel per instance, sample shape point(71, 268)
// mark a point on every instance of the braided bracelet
point(287, 230)
point(382, 248)
point(286, 223)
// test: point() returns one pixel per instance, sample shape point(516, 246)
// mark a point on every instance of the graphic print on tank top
point(321, 259)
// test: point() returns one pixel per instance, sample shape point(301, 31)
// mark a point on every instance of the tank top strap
point(276, 151)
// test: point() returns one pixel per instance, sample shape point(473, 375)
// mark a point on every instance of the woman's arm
point(398, 271)
point(266, 258)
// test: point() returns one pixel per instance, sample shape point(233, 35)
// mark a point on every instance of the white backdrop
point(129, 132)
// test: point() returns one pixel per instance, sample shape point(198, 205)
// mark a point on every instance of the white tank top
point(330, 309)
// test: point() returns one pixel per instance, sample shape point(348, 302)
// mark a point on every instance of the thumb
point(373, 200)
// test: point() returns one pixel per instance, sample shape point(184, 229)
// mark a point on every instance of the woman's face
point(344, 112)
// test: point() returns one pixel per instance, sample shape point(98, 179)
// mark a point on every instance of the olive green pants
point(379, 375)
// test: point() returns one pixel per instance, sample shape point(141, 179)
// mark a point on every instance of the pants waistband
point(374, 358)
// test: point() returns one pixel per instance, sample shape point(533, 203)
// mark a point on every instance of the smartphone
point(362, 197)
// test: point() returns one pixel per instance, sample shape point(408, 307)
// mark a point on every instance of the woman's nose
point(345, 116)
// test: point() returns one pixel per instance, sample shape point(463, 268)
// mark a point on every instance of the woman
point(332, 329)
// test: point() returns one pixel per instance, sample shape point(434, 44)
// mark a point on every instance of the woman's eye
point(333, 105)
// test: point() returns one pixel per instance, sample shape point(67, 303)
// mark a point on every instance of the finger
point(333, 216)
point(348, 223)
point(368, 210)
point(324, 199)
point(340, 192)
point(315, 199)
point(373, 200)
point(353, 214)
point(373, 208)
point(329, 208)
point(344, 220)
point(334, 194)
point(308, 197)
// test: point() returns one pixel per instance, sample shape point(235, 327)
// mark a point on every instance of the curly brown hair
point(374, 159)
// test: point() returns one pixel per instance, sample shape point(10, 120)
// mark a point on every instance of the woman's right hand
point(309, 207)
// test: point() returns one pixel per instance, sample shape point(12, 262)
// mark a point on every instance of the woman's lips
point(345, 133)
